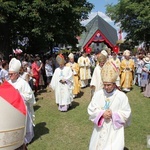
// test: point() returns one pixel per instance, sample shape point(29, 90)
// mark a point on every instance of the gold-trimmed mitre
point(71, 55)
point(101, 58)
point(126, 53)
point(109, 72)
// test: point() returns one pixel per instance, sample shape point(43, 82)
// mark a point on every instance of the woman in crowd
point(140, 64)
point(36, 72)
point(4, 72)
point(145, 74)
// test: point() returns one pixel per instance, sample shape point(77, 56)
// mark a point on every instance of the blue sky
point(100, 4)
point(100, 9)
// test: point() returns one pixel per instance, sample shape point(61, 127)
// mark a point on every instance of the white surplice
point(96, 80)
point(63, 92)
point(26, 92)
point(108, 134)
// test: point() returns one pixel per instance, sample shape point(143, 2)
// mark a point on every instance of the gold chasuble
point(76, 82)
point(127, 73)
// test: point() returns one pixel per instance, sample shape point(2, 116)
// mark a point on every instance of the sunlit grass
point(136, 134)
point(72, 130)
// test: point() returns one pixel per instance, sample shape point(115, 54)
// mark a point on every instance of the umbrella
point(12, 116)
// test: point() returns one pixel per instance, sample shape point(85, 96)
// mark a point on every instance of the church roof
point(97, 23)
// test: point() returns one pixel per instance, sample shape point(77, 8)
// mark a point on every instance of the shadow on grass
point(125, 148)
point(38, 98)
point(36, 107)
point(40, 129)
point(74, 105)
point(80, 94)
point(42, 91)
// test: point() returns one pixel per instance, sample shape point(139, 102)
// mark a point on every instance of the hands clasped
point(62, 81)
point(107, 114)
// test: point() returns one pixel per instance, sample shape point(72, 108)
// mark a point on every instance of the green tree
point(45, 23)
point(133, 17)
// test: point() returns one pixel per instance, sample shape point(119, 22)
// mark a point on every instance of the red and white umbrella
point(12, 117)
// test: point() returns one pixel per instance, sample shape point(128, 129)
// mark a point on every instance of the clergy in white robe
point(96, 81)
point(27, 94)
point(75, 70)
point(110, 111)
point(62, 84)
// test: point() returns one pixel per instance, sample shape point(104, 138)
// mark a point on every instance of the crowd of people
point(108, 75)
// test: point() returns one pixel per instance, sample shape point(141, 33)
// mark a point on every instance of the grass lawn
point(72, 130)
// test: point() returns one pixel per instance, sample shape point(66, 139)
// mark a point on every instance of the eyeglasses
point(10, 74)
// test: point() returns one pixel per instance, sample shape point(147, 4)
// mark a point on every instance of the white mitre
point(14, 65)
point(104, 53)
point(71, 55)
point(126, 53)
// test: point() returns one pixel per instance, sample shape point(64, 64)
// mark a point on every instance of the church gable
point(98, 30)
point(98, 37)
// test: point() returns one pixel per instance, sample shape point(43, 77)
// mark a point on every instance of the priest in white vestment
point(27, 94)
point(96, 81)
point(110, 111)
point(62, 84)
point(75, 70)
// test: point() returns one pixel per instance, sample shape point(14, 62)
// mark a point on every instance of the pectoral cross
point(107, 104)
